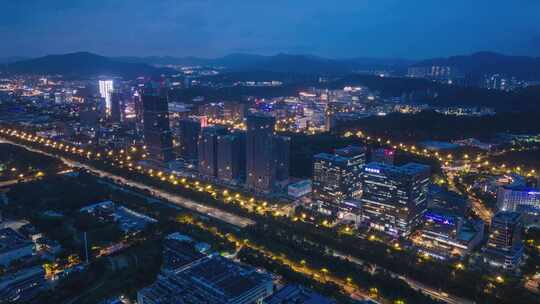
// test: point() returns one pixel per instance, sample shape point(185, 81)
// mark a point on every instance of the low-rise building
point(504, 248)
point(179, 251)
point(444, 235)
point(298, 295)
point(211, 280)
point(300, 188)
point(13, 246)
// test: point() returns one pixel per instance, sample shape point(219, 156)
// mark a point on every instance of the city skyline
point(242, 152)
point(212, 29)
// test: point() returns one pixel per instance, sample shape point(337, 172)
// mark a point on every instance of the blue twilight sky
point(210, 28)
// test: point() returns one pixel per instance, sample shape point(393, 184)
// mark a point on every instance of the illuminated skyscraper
point(394, 199)
point(106, 88)
point(336, 177)
point(157, 131)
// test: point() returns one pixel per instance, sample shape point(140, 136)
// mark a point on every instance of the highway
point(9, 183)
point(173, 198)
point(242, 222)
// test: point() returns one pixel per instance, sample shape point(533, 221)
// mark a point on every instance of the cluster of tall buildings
point(256, 156)
point(392, 199)
point(503, 82)
point(400, 201)
point(446, 74)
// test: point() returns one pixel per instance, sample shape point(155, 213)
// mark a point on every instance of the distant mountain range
point(485, 63)
point(83, 64)
point(303, 64)
point(88, 64)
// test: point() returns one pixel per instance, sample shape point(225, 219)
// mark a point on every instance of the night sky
point(209, 28)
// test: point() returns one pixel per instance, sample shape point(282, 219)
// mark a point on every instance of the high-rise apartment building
point(232, 157)
point(260, 165)
point(116, 106)
point(189, 130)
point(156, 128)
point(282, 146)
point(208, 150)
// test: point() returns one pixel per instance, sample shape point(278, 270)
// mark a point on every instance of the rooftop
point(225, 277)
point(212, 279)
point(294, 294)
point(408, 169)
point(350, 151)
point(506, 216)
point(11, 240)
point(178, 254)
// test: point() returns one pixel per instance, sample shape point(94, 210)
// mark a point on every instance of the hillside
point(82, 64)
point(280, 63)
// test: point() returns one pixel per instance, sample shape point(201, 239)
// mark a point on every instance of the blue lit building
point(445, 235)
point(520, 199)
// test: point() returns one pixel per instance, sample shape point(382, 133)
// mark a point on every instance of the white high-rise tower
point(106, 88)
